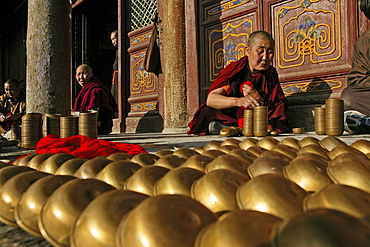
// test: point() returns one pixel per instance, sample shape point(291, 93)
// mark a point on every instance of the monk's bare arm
point(217, 99)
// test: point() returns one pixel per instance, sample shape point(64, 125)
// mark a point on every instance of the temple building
point(43, 41)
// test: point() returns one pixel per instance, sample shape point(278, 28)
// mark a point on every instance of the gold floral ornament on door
point(144, 81)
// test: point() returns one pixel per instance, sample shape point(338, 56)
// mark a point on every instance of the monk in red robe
point(244, 84)
point(94, 95)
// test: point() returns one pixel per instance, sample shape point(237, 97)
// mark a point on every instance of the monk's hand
point(248, 102)
point(2, 118)
point(248, 90)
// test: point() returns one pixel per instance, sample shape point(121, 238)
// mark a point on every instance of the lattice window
point(142, 12)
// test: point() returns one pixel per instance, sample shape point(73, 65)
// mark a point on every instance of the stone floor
point(13, 236)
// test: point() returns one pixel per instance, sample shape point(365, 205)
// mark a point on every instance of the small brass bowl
point(238, 228)
point(164, 152)
point(268, 164)
point(51, 164)
point(186, 153)
point(214, 153)
point(24, 160)
point(198, 162)
point(273, 194)
point(245, 155)
point(177, 181)
point(12, 191)
point(298, 130)
point(170, 161)
point(8, 172)
point(290, 141)
point(330, 142)
point(314, 148)
point(119, 156)
point(145, 159)
point(175, 220)
point(256, 150)
point(61, 209)
point(116, 173)
point(90, 230)
point(342, 149)
point(70, 166)
point(144, 179)
point(229, 162)
point(347, 199)
point(216, 190)
point(29, 206)
point(362, 145)
point(321, 227)
point(267, 142)
point(309, 140)
point(212, 145)
point(230, 141)
point(90, 168)
point(36, 161)
point(248, 142)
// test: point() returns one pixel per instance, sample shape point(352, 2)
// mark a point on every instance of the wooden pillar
point(48, 73)
point(174, 67)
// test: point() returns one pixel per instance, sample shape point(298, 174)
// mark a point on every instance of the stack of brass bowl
point(319, 117)
point(15, 133)
point(68, 126)
point(334, 117)
point(87, 124)
point(51, 124)
point(31, 130)
point(260, 121)
point(248, 123)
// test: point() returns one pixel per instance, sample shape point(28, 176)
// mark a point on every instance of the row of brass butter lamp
point(251, 192)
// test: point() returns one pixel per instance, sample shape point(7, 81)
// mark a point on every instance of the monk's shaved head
point(259, 35)
point(86, 67)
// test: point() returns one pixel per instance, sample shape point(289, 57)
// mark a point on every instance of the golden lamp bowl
point(272, 194)
point(8, 172)
point(362, 145)
point(257, 150)
point(330, 142)
point(353, 173)
point(145, 159)
point(112, 206)
point(286, 150)
point(231, 142)
point(51, 164)
point(29, 206)
point(116, 173)
point(267, 142)
point(245, 155)
point(185, 153)
point(228, 148)
point(119, 156)
point(216, 190)
point(228, 162)
point(313, 148)
point(2, 165)
point(269, 164)
point(349, 157)
point(248, 142)
point(346, 199)
point(321, 227)
point(175, 220)
point(212, 145)
point(164, 152)
point(144, 179)
point(90, 168)
point(62, 208)
point(70, 166)
point(275, 154)
point(200, 150)
point(238, 228)
point(305, 155)
point(310, 174)
point(24, 160)
point(291, 142)
point(342, 149)
point(12, 191)
point(37, 160)
point(170, 161)
point(213, 153)
point(309, 140)
point(198, 162)
point(177, 181)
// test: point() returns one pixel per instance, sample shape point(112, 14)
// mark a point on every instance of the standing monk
point(246, 83)
point(94, 95)
point(12, 105)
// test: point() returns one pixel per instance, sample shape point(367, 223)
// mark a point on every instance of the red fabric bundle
point(85, 147)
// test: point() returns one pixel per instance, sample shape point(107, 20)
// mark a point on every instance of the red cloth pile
point(84, 147)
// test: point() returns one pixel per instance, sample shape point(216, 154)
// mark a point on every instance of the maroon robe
point(266, 83)
point(95, 95)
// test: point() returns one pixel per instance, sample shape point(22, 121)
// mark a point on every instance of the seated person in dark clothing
point(12, 105)
point(246, 83)
point(95, 96)
point(356, 94)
